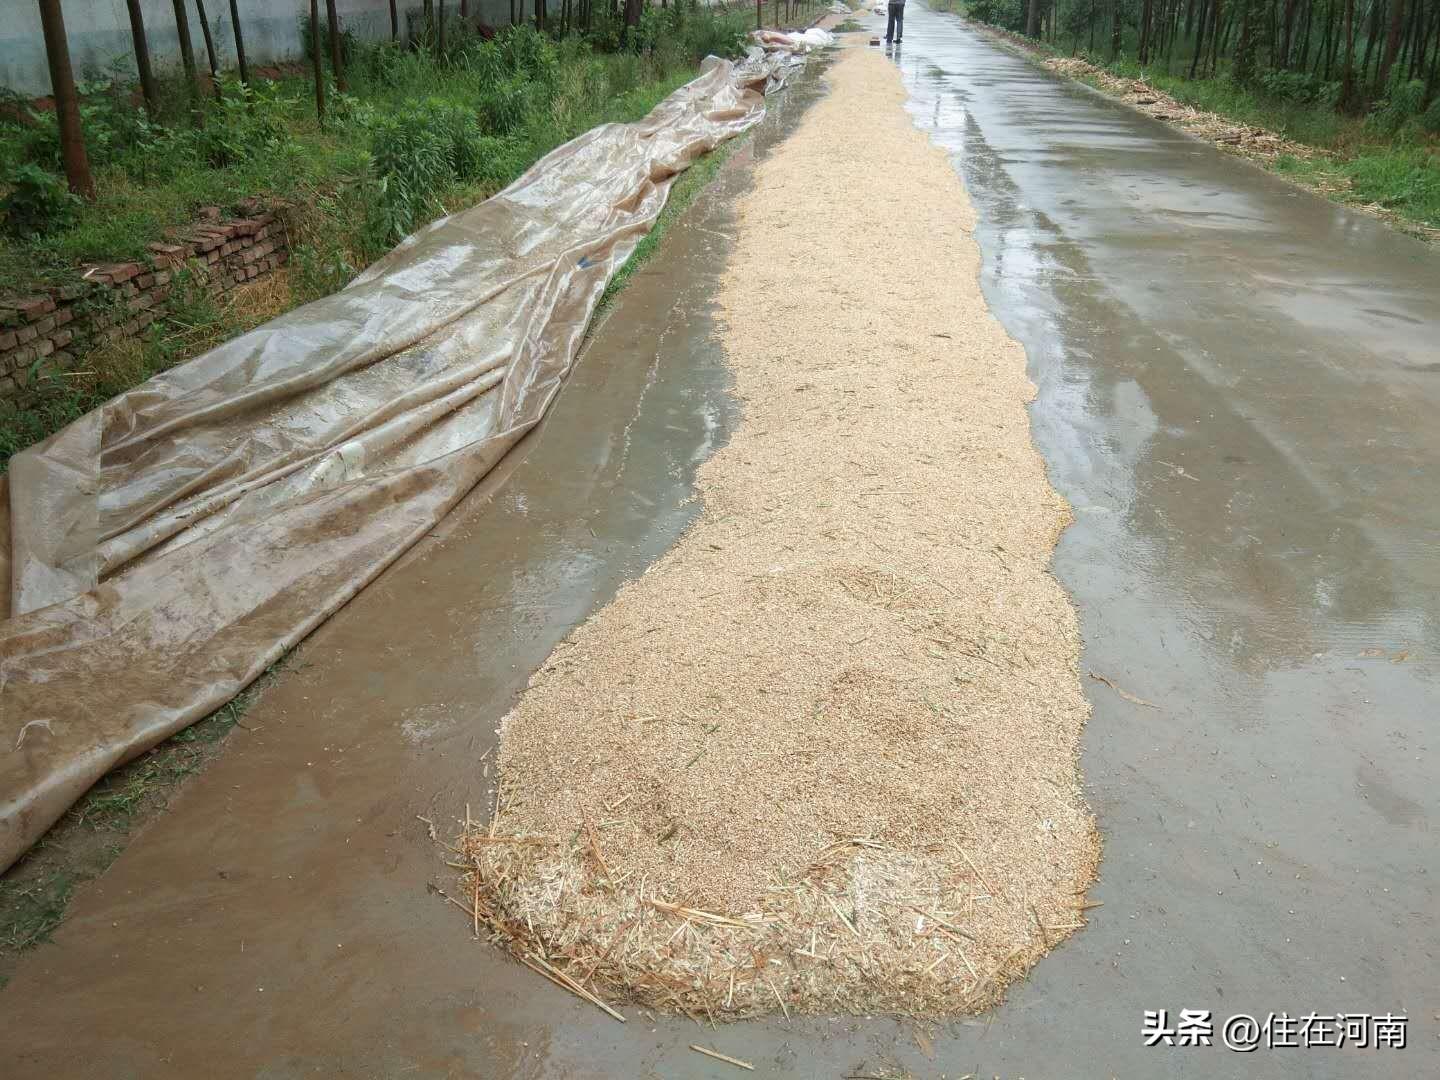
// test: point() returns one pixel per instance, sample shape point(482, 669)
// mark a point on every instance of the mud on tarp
point(168, 547)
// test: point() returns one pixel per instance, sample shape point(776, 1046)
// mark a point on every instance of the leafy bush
point(236, 129)
point(1300, 87)
point(411, 161)
point(1006, 13)
point(38, 202)
point(502, 107)
point(1430, 119)
point(1402, 103)
point(528, 53)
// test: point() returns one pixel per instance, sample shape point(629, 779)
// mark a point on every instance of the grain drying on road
point(823, 755)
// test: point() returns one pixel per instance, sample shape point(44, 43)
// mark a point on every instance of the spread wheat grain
point(823, 755)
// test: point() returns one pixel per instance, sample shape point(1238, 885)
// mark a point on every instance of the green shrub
point(1301, 87)
point(236, 129)
point(1006, 13)
point(528, 53)
point(38, 202)
point(1430, 119)
point(1402, 103)
point(502, 107)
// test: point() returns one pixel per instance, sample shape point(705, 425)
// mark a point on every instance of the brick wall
point(48, 333)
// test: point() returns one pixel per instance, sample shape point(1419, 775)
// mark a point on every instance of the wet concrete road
point(1239, 392)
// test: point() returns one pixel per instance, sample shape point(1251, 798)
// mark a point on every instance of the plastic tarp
point(165, 549)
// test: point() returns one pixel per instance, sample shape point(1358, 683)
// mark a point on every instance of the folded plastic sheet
point(168, 547)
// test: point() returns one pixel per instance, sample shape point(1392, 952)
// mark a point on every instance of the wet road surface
point(1239, 387)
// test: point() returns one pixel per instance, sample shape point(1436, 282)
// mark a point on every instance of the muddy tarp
point(168, 547)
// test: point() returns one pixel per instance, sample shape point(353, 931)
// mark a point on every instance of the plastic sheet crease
point(162, 551)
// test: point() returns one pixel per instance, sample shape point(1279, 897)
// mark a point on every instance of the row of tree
point(1361, 44)
point(573, 14)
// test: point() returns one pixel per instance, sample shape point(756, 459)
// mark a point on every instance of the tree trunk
point(142, 59)
point(759, 18)
point(316, 62)
point(440, 33)
point(394, 22)
point(1392, 42)
point(337, 56)
point(1115, 28)
point(209, 47)
point(1199, 39)
point(1215, 37)
point(187, 59)
point(632, 15)
point(1244, 66)
point(67, 102)
point(239, 43)
point(1347, 83)
point(1370, 37)
point(1287, 30)
point(1146, 10)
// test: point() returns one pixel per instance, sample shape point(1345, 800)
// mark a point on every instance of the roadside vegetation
point(1358, 80)
point(422, 129)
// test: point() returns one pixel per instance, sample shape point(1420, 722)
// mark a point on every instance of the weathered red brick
point(8, 340)
point(64, 315)
point(166, 255)
point(30, 308)
point(119, 273)
point(208, 212)
point(45, 325)
point(25, 334)
point(44, 347)
point(61, 338)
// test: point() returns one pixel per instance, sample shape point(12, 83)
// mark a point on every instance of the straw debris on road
point(823, 755)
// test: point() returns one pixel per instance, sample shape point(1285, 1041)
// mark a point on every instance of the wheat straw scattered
point(1246, 139)
point(822, 757)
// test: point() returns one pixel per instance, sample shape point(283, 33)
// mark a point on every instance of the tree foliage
point(1357, 55)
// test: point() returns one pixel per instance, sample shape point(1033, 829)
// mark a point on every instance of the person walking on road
point(895, 25)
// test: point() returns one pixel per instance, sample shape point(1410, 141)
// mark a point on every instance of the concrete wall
point(99, 32)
